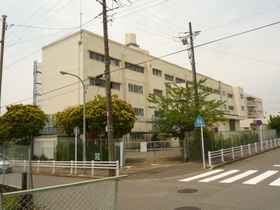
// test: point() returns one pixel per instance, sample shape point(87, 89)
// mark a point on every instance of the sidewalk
point(158, 165)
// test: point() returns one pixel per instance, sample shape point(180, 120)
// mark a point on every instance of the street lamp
point(84, 114)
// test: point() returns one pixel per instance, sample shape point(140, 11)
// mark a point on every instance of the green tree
point(274, 122)
point(96, 117)
point(21, 121)
point(176, 113)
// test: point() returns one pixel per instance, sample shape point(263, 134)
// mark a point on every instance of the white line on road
point(239, 176)
point(275, 183)
point(201, 175)
point(261, 177)
point(276, 165)
point(219, 176)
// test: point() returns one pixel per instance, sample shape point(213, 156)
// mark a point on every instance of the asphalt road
point(254, 184)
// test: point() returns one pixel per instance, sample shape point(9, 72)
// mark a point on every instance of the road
point(252, 183)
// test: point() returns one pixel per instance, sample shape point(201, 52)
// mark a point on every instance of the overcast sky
point(249, 60)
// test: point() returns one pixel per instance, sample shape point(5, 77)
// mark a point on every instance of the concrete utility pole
point(193, 59)
point(110, 130)
point(2, 53)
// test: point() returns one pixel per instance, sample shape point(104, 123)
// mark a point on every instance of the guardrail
point(73, 166)
point(231, 152)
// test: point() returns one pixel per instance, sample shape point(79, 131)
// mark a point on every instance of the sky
point(238, 43)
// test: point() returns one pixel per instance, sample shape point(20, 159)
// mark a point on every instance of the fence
point(69, 167)
point(222, 139)
point(151, 145)
point(94, 194)
point(18, 152)
point(231, 152)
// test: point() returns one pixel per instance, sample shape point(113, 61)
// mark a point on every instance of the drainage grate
point(187, 208)
point(187, 191)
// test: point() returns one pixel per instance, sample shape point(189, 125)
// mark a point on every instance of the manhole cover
point(187, 208)
point(187, 191)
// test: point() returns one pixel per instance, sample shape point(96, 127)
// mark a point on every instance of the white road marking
point(275, 183)
point(276, 165)
point(201, 175)
point(219, 176)
point(239, 176)
point(261, 177)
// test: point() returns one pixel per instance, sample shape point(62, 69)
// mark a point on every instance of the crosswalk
point(234, 175)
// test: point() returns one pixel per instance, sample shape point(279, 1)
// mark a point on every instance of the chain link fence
point(11, 175)
point(99, 194)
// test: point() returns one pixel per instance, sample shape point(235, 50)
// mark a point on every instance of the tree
point(96, 117)
point(21, 121)
point(176, 113)
point(274, 122)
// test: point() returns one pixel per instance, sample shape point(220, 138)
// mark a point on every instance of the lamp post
point(84, 114)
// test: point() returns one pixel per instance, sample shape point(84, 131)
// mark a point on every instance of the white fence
point(72, 166)
point(250, 148)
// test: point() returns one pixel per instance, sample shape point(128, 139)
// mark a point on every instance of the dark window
point(169, 77)
point(157, 72)
point(134, 68)
point(178, 80)
point(135, 88)
point(101, 58)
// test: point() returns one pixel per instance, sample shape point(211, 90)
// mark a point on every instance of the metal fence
point(231, 153)
point(223, 139)
point(94, 194)
point(13, 177)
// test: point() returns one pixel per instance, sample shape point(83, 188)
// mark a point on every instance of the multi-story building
point(134, 74)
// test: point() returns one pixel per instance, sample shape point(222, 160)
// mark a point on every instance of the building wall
point(72, 55)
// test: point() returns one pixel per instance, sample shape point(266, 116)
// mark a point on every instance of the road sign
point(259, 122)
point(199, 122)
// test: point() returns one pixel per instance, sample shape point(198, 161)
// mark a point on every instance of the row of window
point(102, 83)
point(133, 67)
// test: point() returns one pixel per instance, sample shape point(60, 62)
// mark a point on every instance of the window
point(102, 83)
point(230, 95)
point(158, 92)
point(241, 96)
point(242, 108)
point(168, 77)
point(225, 106)
point(231, 125)
point(134, 68)
point(97, 82)
point(231, 108)
point(217, 92)
point(138, 111)
point(137, 135)
point(115, 86)
point(224, 93)
point(135, 88)
point(178, 80)
point(157, 72)
point(101, 58)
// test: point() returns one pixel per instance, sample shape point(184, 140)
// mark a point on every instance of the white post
point(209, 158)
point(241, 150)
point(256, 147)
point(38, 165)
point(71, 167)
point(53, 166)
point(92, 167)
point(222, 155)
point(232, 151)
point(249, 148)
point(202, 144)
point(266, 144)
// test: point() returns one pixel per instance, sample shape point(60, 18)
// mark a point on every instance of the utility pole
point(2, 53)
point(193, 60)
point(190, 35)
point(110, 130)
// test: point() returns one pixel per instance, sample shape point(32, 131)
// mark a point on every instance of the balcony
point(252, 104)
